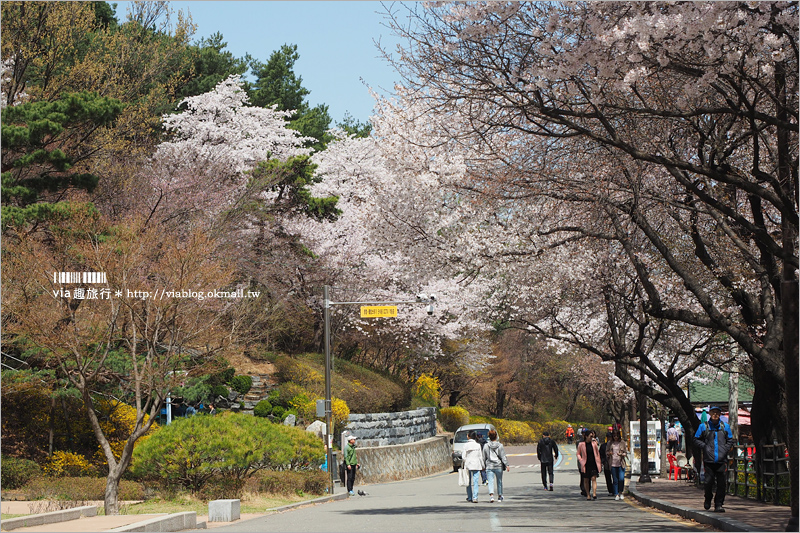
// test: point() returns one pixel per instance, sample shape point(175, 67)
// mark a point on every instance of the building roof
point(717, 391)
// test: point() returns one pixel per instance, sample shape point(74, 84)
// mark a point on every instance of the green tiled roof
point(716, 392)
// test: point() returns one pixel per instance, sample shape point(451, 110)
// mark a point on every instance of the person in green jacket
point(351, 463)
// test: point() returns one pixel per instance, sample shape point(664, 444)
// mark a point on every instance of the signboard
point(376, 311)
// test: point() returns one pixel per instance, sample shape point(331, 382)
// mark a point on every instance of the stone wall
point(383, 429)
point(381, 464)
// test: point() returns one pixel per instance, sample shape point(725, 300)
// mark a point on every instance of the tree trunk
point(644, 462)
point(500, 402)
point(790, 350)
point(453, 397)
point(111, 502)
point(573, 401)
point(733, 402)
point(789, 293)
point(51, 426)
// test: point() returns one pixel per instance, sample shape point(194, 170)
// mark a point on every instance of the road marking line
point(494, 521)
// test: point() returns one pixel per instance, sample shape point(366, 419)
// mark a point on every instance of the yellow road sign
point(375, 311)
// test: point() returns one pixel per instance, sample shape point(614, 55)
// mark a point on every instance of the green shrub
point(78, 489)
point(192, 451)
point(195, 389)
point(263, 408)
point(15, 472)
point(274, 397)
point(219, 390)
point(221, 378)
point(241, 384)
point(278, 412)
point(453, 417)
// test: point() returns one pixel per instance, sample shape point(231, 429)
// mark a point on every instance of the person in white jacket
point(473, 461)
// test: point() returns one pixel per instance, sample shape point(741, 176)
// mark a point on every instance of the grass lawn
point(250, 503)
point(7, 516)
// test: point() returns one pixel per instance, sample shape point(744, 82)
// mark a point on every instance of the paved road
point(437, 503)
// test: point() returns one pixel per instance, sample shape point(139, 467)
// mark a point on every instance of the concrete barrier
point(380, 464)
point(224, 510)
point(171, 522)
point(49, 518)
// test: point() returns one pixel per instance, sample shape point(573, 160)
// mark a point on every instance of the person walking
point(473, 462)
point(546, 451)
point(581, 435)
point(569, 433)
point(606, 466)
point(672, 439)
point(617, 454)
point(481, 438)
point(714, 439)
point(590, 465)
point(494, 457)
point(351, 463)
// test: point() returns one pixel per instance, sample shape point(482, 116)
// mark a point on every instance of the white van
point(460, 439)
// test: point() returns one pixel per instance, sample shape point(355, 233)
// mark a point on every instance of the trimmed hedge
point(78, 489)
point(15, 472)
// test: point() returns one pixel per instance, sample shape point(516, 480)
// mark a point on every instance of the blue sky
point(334, 40)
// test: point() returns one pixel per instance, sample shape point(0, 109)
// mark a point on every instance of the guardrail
point(760, 476)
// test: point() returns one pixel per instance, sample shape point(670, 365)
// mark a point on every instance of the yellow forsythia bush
point(514, 432)
point(428, 388)
point(68, 464)
point(453, 417)
point(118, 424)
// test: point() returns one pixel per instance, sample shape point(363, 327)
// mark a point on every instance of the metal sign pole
point(328, 426)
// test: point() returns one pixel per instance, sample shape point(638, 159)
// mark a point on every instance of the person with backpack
point(494, 456)
point(714, 439)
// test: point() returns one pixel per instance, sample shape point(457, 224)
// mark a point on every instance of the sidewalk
point(97, 524)
point(684, 499)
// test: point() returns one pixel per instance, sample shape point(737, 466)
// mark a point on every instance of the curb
point(49, 518)
point(702, 517)
point(170, 522)
point(315, 501)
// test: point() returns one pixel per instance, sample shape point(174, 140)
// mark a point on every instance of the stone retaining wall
point(380, 464)
point(383, 429)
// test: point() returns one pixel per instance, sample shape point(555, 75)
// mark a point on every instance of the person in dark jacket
point(546, 451)
point(714, 439)
point(482, 441)
point(606, 466)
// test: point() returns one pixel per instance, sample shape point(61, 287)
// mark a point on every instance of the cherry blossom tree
point(684, 117)
point(215, 141)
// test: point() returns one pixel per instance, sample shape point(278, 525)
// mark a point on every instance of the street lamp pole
point(326, 307)
point(328, 426)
